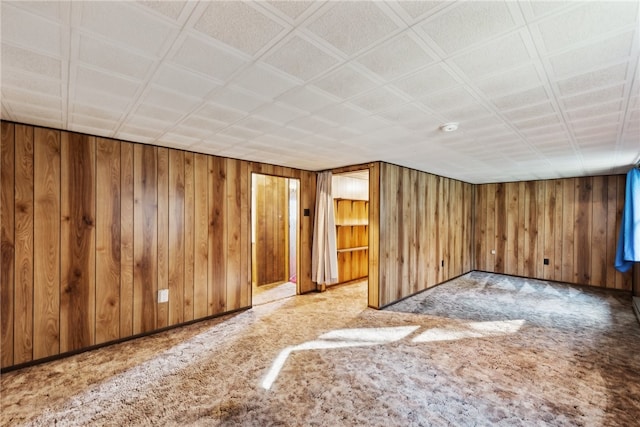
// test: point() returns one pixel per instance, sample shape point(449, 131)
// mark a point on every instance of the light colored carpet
point(483, 349)
point(269, 293)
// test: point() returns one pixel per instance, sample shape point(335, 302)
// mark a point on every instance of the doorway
point(274, 237)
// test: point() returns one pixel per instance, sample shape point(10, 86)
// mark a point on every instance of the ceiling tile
point(256, 124)
point(171, 9)
point(597, 54)
point(595, 110)
point(158, 113)
point(512, 81)
point(419, 9)
point(399, 56)
point(378, 100)
point(31, 62)
point(93, 111)
point(48, 9)
point(30, 31)
point(263, 81)
point(222, 19)
point(521, 99)
point(449, 99)
point(169, 100)
point(207, 59)
point(537, 122)
point(345, 82)
point(183, 81)
point(127, 25)
point(432, 79)
point(207, 124)
point(237, 99)
point(278, 113)
point(106, 100)
point(292, 9)
point(219, 113)
point(587, 21)
point(530, 111)
point(11, 77)
point(499, 55)
point(307, 99)
point(341, 114)
point(595, 97)
point(112, 58)
point(335, 23)
point(588, 81)
point(468, 23)
point(300, 58)
point(113, 84)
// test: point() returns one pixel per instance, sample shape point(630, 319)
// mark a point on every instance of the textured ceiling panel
point(540, 89)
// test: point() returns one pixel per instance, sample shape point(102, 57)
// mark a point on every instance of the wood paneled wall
point(92, 228)
point(272, 226)
point(425, 233)
point(573, 223)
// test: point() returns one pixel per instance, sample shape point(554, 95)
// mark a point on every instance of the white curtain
point(324, 268)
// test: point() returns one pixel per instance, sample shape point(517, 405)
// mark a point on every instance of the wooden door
point(271, 230)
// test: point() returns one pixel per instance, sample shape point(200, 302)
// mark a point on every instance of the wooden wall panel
point(176, 234)
point(7, 243)
point(126, 238)
point(145, 247)
point(571, 222)
point(189, 235)
point(162, 310)
point(47, 233)
point(78, 252)
point(217, 288)
point(108, 244)
point(201, 233)
point(24, 253)
point(419, 209)
point(374, 236)
point(113, 222)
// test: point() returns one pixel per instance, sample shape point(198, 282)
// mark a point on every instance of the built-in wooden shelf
point(352, 237)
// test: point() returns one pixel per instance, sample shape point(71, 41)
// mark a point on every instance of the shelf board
point(358, 248)
point(351, 224)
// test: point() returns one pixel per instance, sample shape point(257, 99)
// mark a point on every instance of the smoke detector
point(449, 127)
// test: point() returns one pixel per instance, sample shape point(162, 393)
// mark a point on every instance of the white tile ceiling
point(541, 89)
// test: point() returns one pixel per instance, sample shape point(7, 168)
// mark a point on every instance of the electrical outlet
point(163, 295)
point(546, 261)
point(493, 251)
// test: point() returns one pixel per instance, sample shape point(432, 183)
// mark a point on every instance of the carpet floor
point(483, 349)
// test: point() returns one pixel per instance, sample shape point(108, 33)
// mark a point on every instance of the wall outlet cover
point(163, 295)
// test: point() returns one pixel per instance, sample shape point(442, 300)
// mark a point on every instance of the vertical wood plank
point(145, 273)
point(7, 242)
point(217, 235)
point(189, 235)
point(177, 232)
point(521, 228)
point(557, 230)
point(511, 194)
point(568, 218)
point(46, 256)
point(307, 201)
point(78, 263)
point(612, 230)
point(24, 253)
point(599, 232)
point(108, 244)
point(549, 227)
point(582, 230)
point(245, 234)
point(234, 234)
point(491, 227)
point(374, 235)
point(501, 228)
point(422, 239)
point(481, 227)
point(126, 239)
point(201, 226)
point(623, 281)
point(162, 314)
